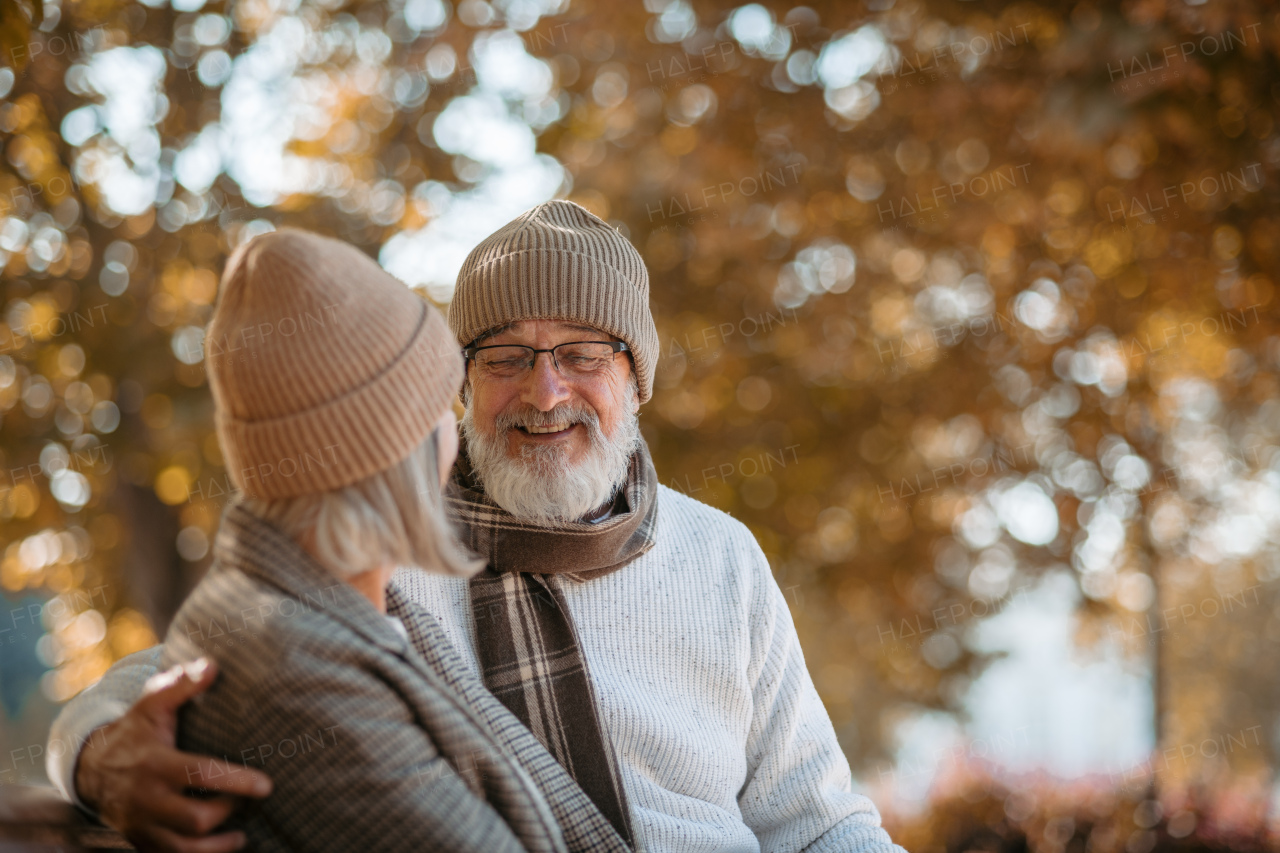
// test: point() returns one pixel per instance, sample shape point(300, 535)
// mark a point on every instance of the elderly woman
point(334, 386)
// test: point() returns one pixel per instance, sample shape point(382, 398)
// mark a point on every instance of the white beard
point(542, 486)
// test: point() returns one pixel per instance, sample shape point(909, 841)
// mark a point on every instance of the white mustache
point(562, 416)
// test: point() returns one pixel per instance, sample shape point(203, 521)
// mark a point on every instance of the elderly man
point(636, 632)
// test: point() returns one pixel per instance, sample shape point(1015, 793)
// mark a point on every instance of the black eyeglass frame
point(469, 353)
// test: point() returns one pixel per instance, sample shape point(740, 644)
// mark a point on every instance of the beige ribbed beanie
point(558, 261)
point(324, 368)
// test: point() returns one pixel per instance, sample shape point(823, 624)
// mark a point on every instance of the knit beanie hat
point(324, 368)
point(559, 262)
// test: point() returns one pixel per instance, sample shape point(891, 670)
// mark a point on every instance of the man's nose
point(544, 388)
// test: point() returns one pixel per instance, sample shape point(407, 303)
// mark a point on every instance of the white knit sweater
point(723, 742)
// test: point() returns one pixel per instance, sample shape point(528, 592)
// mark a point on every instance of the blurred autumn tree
point(952, 295)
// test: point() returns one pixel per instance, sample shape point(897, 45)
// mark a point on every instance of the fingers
point(189, 816)
point(164, 819)
point(166, 691)
point(164, 840)
point(175, 824)
point(184, 770)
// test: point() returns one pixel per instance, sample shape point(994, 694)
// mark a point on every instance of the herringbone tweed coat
point(375, 739)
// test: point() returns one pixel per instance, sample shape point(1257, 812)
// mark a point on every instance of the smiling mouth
point(549, 429)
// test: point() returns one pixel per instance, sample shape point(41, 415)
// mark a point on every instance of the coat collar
point(265, 553)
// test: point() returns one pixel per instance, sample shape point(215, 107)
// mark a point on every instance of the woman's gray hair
point(395, 517)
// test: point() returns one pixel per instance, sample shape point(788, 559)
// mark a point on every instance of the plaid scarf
point(528, 649)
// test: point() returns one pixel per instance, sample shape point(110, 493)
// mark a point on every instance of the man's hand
point(132, 775)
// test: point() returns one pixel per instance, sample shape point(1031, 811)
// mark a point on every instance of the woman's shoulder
point(242, 621)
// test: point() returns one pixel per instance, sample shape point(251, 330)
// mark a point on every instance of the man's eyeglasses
point(575, 358)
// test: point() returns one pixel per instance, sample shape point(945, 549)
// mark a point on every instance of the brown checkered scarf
point(528, 647)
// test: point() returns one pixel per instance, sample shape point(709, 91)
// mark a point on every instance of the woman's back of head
point(330, 379)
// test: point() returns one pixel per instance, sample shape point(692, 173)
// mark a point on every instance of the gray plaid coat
point(375, 736)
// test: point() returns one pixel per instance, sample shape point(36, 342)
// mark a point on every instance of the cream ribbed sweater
point(722, 739)
point(723, 742)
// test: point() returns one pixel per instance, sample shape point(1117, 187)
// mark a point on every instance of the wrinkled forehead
point(525, 329)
